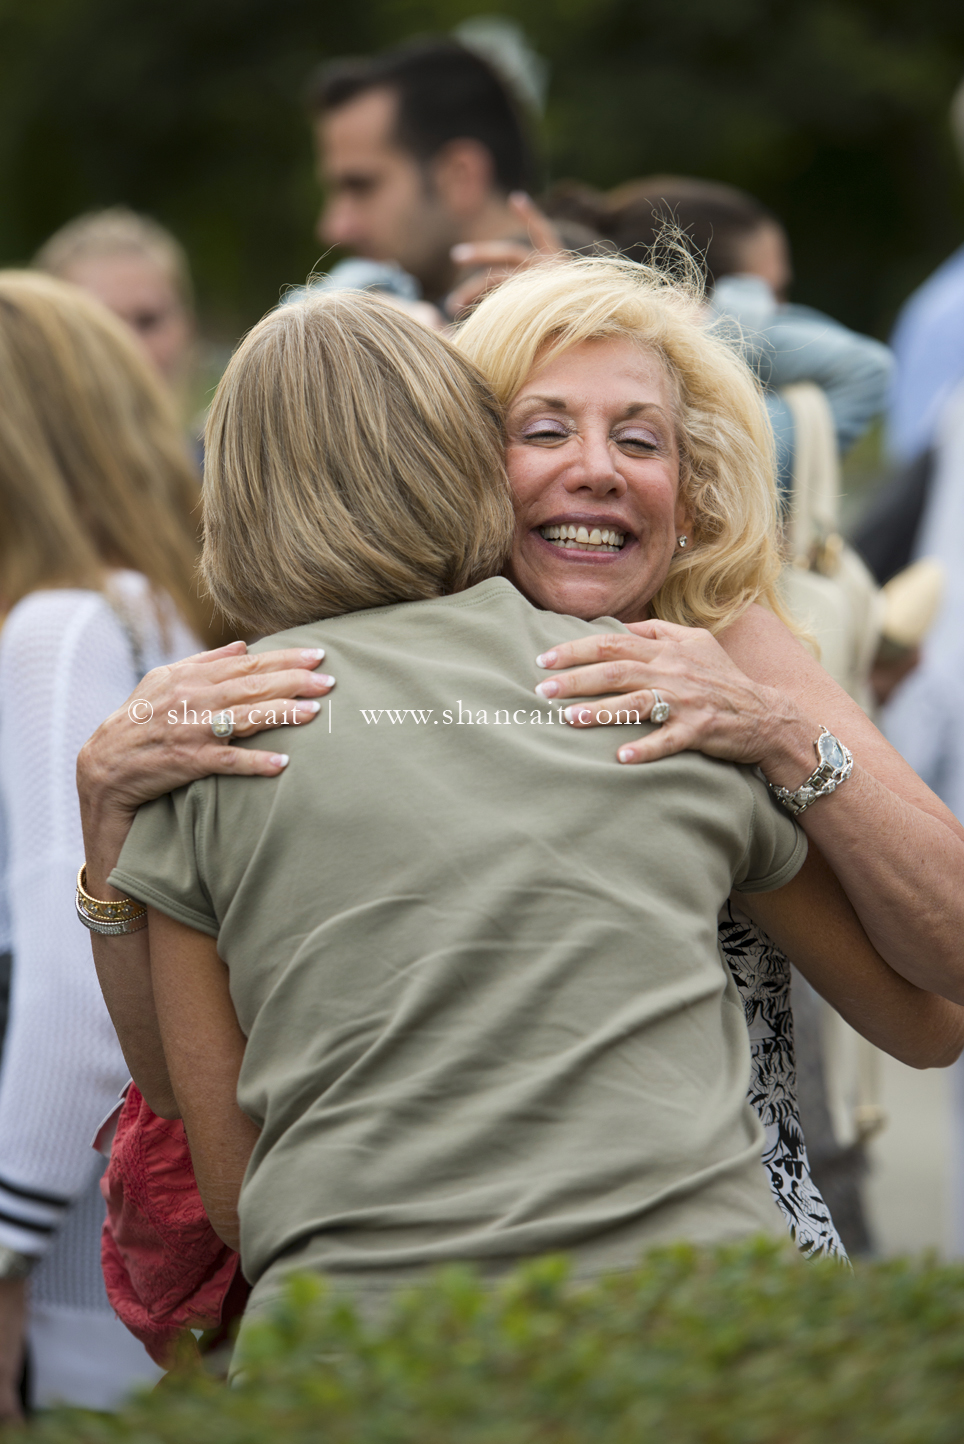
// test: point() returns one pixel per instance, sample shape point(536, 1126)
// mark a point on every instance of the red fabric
point(165, 1268)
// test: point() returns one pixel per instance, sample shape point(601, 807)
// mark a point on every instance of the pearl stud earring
point(682, 542)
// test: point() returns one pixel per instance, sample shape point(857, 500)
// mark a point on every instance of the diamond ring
point(660, 712)
point(222, 725)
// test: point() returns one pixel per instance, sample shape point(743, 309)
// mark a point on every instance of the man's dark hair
point(445, 92)
point(716, 220)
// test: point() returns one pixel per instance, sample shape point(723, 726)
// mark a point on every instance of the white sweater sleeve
point(65, 664)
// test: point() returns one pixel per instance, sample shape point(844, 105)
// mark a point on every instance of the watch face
point(830, 751)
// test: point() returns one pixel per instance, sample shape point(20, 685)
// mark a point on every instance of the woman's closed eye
point(545, 429)
point(638, 438)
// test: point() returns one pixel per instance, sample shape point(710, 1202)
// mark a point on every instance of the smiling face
point(594, 465)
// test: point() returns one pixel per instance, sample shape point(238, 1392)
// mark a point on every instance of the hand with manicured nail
point(715, 708)
point(123, 764)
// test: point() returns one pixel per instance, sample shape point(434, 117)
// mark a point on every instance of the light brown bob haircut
point(94, 471)
point(353, 459)
point(727, 471)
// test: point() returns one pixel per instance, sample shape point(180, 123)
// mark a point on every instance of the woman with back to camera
point(97, 554)
point(483, 1015)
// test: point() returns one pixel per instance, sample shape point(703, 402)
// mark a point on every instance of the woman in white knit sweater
point(97, 554)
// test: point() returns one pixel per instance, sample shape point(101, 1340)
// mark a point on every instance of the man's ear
point(463, 175)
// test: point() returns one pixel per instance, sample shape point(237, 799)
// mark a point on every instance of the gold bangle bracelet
point(113, 918)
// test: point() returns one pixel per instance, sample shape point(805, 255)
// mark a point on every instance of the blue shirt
point(786, 344)
point(928, 342)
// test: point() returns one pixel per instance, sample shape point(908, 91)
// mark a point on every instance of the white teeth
point(603, 538)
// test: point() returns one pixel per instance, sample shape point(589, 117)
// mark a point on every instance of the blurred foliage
point(749, 1344)
point(832, 111)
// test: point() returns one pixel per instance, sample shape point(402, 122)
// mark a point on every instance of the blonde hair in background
point(94, 473)
point(353, 459)
point(727, 472)
point(116, 231)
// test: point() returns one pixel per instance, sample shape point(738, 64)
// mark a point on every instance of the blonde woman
point(97, 556)
point(708, 637)
point(140, 272)
point(451, 989)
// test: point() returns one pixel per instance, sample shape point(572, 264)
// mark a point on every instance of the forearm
point(813, 921)
point(903, 871)
point(124, 971)
point(205, 1049)
point(897, 851)
point(222, 1139)
point(123, 963)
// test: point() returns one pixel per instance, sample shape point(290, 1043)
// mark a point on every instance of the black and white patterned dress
point(762, 975)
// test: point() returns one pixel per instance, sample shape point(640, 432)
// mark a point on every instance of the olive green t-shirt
point(475, 959)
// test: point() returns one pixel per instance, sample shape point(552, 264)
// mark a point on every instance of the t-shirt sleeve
point(160, 862)
point(776, 847)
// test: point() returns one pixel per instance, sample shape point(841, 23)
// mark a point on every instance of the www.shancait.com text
point(461, 716)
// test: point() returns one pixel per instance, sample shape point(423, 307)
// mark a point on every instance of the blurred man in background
point(419, 150)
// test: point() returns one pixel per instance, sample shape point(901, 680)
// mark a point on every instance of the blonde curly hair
point(727, 471)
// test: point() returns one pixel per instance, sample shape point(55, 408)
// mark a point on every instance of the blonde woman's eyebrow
point(554, 403)
point(557, 403)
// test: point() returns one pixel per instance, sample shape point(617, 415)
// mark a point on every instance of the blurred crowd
point(427, 161)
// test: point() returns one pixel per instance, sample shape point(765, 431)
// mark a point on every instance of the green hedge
point(742, 1345)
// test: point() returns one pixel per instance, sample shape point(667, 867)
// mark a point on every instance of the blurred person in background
point(928, 342)
point(924, 718)
point(139, 271)
point(97, 557)
point(746, 252)
point(420, 149)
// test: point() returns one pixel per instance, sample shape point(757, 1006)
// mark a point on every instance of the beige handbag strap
point(814, 506)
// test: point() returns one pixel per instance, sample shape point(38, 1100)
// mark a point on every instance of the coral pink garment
point(165, 1268)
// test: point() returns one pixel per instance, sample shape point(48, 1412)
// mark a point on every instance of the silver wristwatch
point(835, 766)
point(14, 1265)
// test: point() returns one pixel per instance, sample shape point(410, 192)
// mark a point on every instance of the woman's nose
point(594, 469)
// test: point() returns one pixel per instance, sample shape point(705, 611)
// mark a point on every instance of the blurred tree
point(832, 111)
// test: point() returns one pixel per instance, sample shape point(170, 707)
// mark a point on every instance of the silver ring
point(660, 712)
point(222, 725)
